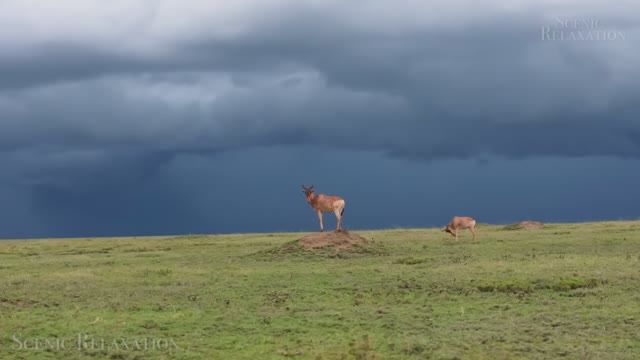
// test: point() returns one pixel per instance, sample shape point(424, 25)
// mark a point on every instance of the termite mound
point(341, 240)
point(525, 225)
point(332, 244)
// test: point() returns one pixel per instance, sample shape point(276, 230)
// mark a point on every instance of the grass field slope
point(566, 291)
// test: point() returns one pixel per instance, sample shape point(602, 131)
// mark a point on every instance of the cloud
point(276, 73)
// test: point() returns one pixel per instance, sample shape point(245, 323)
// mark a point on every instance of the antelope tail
point(342, 212)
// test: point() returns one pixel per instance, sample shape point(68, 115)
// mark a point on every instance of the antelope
point(461, 222)
point(325, 203)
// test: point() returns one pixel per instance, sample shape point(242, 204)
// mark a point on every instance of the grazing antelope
point(325, 203)
point(461, 222)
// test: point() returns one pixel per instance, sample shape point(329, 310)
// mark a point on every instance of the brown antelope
point(461, 222)
point(325, 203)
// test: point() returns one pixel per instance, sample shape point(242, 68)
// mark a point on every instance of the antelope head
point(308, 192)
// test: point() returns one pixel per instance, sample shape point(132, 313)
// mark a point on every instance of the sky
point(150, 117)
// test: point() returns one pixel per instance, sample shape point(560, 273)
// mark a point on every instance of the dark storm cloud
point(490, 82)
point(97, 100)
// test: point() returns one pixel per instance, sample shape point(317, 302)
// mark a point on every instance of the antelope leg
point(338, 220)
point(320, 218)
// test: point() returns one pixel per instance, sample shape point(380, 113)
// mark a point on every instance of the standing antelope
point(461, 222)
point(326, 203)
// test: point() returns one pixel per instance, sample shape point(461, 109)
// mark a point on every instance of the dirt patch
point(18, 302)
point(342, 240)
point(529, 286)
point(525, 225)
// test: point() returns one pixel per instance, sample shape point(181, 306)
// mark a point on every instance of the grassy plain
point(567, 291)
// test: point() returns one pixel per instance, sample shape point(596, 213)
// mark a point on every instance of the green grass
point(567, 291)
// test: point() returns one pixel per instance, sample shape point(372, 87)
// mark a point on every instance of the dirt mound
point(331, 244)
point(341, 240)
point(525, 225)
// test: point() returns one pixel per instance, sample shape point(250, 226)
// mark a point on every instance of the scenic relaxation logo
point(579, 29)
point(87, 342)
